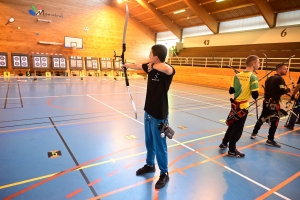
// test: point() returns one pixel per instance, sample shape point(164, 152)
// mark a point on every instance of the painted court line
point(284, 183)
point(74, 193)
point(123, 113)
point(103, 162)
point(247, 178)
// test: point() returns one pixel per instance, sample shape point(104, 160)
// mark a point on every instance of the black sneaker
point(145, 169)
point(236, 154)
point(223, 146)
point(162, 181)
point(272, 143)
point(253, 135)
point(289, 127)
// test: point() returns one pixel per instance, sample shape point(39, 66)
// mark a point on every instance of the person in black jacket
point(275, 87)
point(160, 75)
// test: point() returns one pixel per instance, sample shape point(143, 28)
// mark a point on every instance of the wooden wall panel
point(105, 32)
point(219, 78)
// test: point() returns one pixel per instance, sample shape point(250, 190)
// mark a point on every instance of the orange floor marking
point(130, 186)
point(113, 173)
point(63, 173)
point(182, 169)
point(127, 166)
point(74, 193)
point(142, 160)
point(281, 185)
point(156, 194)
point(277, 151)
point(94, 182)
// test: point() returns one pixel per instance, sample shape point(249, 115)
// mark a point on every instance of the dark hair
point(280, 66)
point(160, 51)
point(250, 59)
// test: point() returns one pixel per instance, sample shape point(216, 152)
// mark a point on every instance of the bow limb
point(236, 71)
point(276, 67)
point(291, 78)
point(123, 60)
point(266, 65)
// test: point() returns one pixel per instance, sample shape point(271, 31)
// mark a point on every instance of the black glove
point(287, 90)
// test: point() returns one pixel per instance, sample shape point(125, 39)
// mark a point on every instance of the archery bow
point(123, 60)
point(266, 65)
point(276, 67)
point(236, 71)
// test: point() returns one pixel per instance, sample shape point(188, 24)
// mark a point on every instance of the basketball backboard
point(71, 42)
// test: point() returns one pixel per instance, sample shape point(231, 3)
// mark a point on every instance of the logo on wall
point(37, 10)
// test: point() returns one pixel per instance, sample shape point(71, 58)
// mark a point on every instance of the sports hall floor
point(91, 123)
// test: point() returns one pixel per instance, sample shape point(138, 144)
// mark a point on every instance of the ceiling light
point(219, 0)
point(179, 11)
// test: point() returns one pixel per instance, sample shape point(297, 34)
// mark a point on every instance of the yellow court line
point(104, 162)
point(100, 163)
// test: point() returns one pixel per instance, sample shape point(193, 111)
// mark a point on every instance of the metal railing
point(237, 63)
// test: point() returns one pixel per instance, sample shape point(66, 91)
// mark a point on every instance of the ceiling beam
point(198, 10)
point(175, 11)
point(161, 18)
point(141, 13)
point(168, 4)
point(207, 2)
point(143, 28)
point(146, 19)
point(186, 18)
point(267, 12)
point(133, 7)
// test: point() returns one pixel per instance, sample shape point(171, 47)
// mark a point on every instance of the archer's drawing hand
point(150, 66)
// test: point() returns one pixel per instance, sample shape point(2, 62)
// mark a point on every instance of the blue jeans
point(155, 144)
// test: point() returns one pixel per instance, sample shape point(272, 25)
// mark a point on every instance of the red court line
point(64, 172)
point(121, 189)
point(180, 169)
point(277, 151)
point(156, 191)
point(74, 193)
point(113, 173)
point(127, 166)
point(58, 107)
point(279, 186)
point(94, 182)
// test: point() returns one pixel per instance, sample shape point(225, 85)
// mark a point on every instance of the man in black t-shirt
point(296, 109)
point(274, 89)
point(156, 108)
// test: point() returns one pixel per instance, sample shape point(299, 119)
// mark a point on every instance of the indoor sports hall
point(72, 119)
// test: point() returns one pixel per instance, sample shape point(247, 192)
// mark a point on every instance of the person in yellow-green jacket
point(244, 85)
